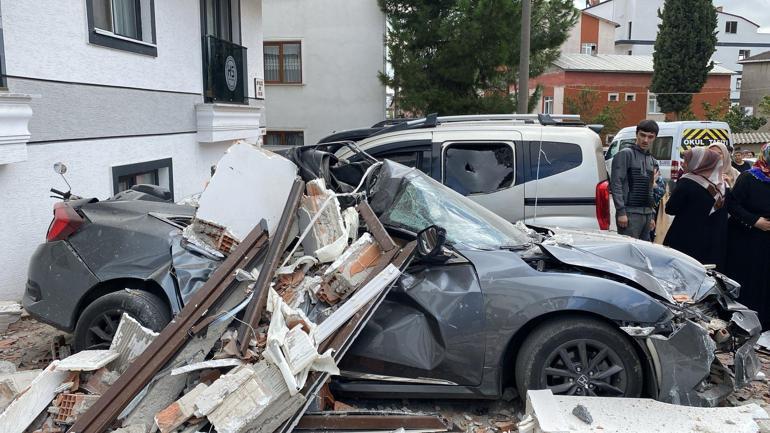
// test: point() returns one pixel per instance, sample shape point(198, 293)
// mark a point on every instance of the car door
point(484, 166)
point(412, 153)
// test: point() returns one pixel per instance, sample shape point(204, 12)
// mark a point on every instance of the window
point(744, 54)
point(478, 168)
point(419, 159)
point(548, 104)
point(652, 104)
point(661, 148)
point(587, 48)
point(738, 83)
point(731, 27)
point(748, 111)
point(283, 62)
point(549, 158)
point(158, 172)
point(223, 19)
point(127, 25)
point(630, 26)
point(613, 97)
point(284, 138)
point(630, 97)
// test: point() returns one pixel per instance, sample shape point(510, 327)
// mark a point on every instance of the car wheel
point(579, 356)
point(99, 321)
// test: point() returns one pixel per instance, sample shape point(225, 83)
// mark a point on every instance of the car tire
point(99, 321)
point(579, 356)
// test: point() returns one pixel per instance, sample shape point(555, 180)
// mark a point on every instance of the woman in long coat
point(749, 236)
point(700, 227)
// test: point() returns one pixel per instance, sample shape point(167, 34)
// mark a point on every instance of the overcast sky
point(757, 11)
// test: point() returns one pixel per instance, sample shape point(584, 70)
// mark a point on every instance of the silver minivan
point(550, 175)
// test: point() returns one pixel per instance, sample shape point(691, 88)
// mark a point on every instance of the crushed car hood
point(660, 270)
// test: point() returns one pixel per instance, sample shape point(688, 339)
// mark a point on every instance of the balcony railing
point(225, 72)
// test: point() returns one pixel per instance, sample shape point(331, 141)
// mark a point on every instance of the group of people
point(721, 208)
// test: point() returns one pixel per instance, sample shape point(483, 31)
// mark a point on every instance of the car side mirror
point(60, 168)
point(430, 241)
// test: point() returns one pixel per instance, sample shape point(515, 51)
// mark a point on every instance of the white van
point(673, 139)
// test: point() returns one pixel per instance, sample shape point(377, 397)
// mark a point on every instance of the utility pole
point(526, 17)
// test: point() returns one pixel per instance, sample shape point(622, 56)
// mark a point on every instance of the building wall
point(643, 15)
point(756, 77)
point(96, 108)
point(342, 53)
point(571, 83)
point(590, 29)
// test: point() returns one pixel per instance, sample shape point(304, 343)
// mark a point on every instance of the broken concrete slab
point(131, 338)
point(170, 418)
point(350, 269)
point(87, 360)
point(637, 415)
point(35, 399)
point(214, 395)
point(13, 384)
point(10, 312)
point(237, 197)
point(100, 381)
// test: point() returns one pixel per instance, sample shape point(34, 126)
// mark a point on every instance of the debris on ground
point(10, 312)
point(550, 414)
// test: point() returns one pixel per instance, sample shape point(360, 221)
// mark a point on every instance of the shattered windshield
point(422, 202)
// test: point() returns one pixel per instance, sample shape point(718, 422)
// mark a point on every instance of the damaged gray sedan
point(580, 313)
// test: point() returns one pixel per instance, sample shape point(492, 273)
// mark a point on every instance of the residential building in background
point(618, 79)
point(755, 84)
point(591, 35)
point(322, 60)
point(638, 21)
point(122, 92)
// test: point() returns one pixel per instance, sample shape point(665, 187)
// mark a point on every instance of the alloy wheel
point(585, 367)
point(102, 329)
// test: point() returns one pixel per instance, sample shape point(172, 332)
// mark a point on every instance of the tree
point(586, 103)
point(682, 58)
point(734, 115)
point(461, 56)
point(764, 106)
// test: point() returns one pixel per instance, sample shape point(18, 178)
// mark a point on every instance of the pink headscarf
point(705, 168)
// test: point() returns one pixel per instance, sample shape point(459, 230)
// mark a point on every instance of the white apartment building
point(321, 64)
point(122, 92)
point(638, 21)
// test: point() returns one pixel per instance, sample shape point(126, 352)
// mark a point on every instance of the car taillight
point(674, 170)
point(603, 204)
point(65, 222)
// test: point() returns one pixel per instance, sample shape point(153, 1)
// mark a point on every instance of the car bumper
point(687, 369)
point(57, 280)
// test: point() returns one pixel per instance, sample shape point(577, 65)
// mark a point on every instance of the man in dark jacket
point(738, 162)
point(632, 181)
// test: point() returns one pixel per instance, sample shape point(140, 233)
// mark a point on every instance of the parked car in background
point(673, 139)
point(530, 168)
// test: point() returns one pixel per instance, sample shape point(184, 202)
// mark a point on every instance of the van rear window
point(549, 158)
point(661, 148)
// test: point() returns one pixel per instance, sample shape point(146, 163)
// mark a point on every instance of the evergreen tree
point(461, 56)
point(682, 59)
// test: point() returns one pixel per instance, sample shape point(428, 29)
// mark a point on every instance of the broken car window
point(478, 168)
point(423, 202)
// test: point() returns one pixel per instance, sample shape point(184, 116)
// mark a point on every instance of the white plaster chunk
point(328, 235)
point(214, 363)
point(250, 184)
point(350, 216)
point(10, 312)
point(638, 415)
point(300, 350)
point(87, 360)
point(131, 338)
point(28, 405)
point(13, 384)
point(216, 393)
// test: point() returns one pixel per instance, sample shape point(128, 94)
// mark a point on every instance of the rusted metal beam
point(274, 252)
point(357, 421)
point(375, 227)
point(173, 337)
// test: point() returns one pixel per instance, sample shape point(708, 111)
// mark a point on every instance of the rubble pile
point(253, 346)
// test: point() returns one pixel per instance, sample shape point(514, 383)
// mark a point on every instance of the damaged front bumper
point(685, 361)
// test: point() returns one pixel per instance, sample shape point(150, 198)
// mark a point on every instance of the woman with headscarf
point(749, 236)
point(729, 173)
point(700, 227)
